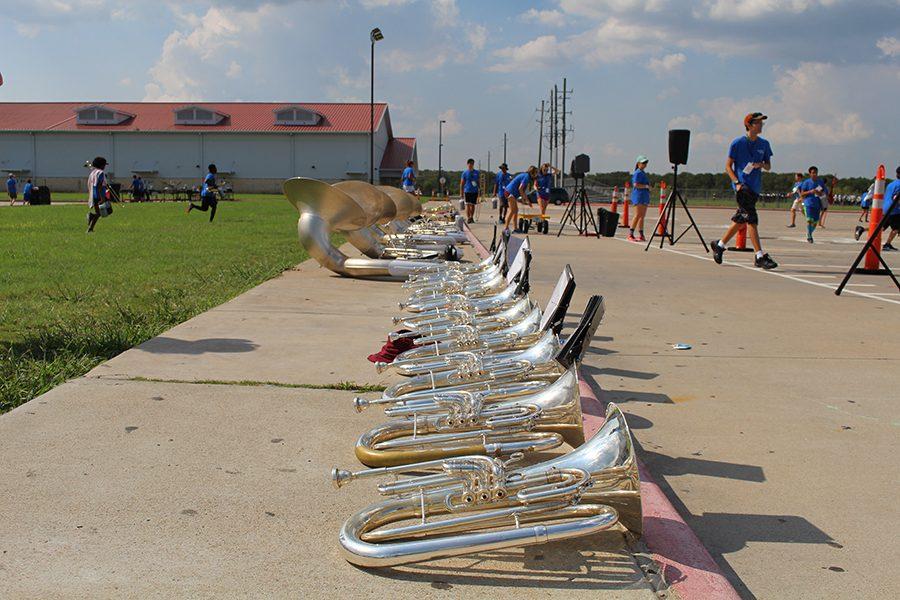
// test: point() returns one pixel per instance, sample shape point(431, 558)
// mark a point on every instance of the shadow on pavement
point(167, 345)
point(612, 372)
point(571, 564)
point(661, 464)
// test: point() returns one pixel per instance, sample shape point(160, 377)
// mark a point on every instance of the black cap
point(99, 163)
point(504, 166)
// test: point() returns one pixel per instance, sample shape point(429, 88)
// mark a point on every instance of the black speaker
point(581, 165)
point(679, 142)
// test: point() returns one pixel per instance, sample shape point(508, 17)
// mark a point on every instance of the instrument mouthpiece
point(339, 477)
point(360, 404)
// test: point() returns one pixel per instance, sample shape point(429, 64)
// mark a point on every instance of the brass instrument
point(460, 423)
point(472, 504)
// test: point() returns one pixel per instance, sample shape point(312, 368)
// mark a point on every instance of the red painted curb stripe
point(687, 566)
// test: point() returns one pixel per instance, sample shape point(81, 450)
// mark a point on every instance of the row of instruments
point(490, 383)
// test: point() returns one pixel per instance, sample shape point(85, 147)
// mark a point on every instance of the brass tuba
point(474, 504)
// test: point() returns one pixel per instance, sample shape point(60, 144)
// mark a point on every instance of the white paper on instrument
point(749, 168)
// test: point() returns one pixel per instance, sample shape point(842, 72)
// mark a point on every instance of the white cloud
point(670, 64)
point(477, 36)
point(553, 18)
point(27, 30)
point(669, 92)
point(234, 70)
point(889, 46)
point(346, 87)
point(125, 81)
point(729, 10)
point(445, 11)
point(383, 3)
point(429, 128)
point(543, 51)
point(191, 60)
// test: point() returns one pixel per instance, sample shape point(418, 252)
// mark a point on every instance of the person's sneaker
point(631, 238)
point(470, 220)
point(888, 247)
point(189, 207)
point(641, 238)
point(791, 225)
point(765, 262)
point(809, 239)
point(859, 231)
point(717, 251)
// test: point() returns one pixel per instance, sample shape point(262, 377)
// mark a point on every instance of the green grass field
point(70, 300)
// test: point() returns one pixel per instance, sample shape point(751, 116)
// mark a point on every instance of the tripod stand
point(667, 219)
point(585, 214)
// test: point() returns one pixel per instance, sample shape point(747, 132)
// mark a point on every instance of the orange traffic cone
point(740, 240)
point(614, 205)
point(877, 214)
point(626, 200)
point(661, 230)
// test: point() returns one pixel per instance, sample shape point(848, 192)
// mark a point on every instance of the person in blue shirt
point(865, 203)
point(892, 208)
point(26, 192)
point(813, 192)
point(543, 184)
point(408, 178)
point(640, 198)
point(208, 199)
point(748, 156)
point(11, 188)
point(516, 190)
point(468, 189)
point(501, 180)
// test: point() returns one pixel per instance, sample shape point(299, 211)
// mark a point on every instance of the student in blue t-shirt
point(865, 203)
point(501, 180)
point(516, 190)
point(208, 199)
point(812, 192)
point(543, 184)
point(408, 178)
point(11, 189)
point(27, 192)
point(748, 156)
point(468, 189)
point(797, 202)
point(892, 208)
point(640, 198)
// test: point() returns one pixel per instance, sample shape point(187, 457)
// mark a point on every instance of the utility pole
point(489, 160)
point(504, 147)
point(541, 136)
point(562, 167)
point(554, 156)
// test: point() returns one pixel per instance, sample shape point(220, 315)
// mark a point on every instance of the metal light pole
point(440, 146)
point(374, 35)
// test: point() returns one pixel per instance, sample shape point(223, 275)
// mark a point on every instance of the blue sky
point(826, 71)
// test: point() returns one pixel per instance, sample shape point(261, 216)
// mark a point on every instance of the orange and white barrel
point(877, 213)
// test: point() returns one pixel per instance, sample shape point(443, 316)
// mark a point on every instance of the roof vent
point(198, 115)
point(98, 114)
point(296, 115)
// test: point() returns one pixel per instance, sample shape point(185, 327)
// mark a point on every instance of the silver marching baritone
point(476, 503)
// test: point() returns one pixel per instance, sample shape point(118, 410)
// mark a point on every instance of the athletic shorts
point(545, 196)
point(207, 201)
point(510, 196)
point(639, 202)
point(12, 195)
point(409, 188)
point(746, 201)
point(502, 201)
point(797, 204)
point(893, 222)
point(813, 213)
point(471, 197)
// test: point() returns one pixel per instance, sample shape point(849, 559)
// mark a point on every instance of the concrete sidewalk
point(131, 483)
point(776, 434)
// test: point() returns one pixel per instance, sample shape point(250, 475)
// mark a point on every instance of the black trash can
point(40, 194)
point(607, 222)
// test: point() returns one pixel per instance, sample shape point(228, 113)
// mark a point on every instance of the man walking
point(748, 156)
point(27, 192)
point(468, 189)
point(501, 181)
point(11, 189)
point(408, 178)
point(892, 208)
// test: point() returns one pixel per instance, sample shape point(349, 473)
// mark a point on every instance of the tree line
point(427, 180)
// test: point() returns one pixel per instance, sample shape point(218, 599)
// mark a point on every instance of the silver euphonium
point(461, 423)
point(472, 504)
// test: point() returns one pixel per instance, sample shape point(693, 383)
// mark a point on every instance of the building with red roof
point(255, 145)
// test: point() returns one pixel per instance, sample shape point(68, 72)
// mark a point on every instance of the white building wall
point(15, 152)
point(259, 162)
